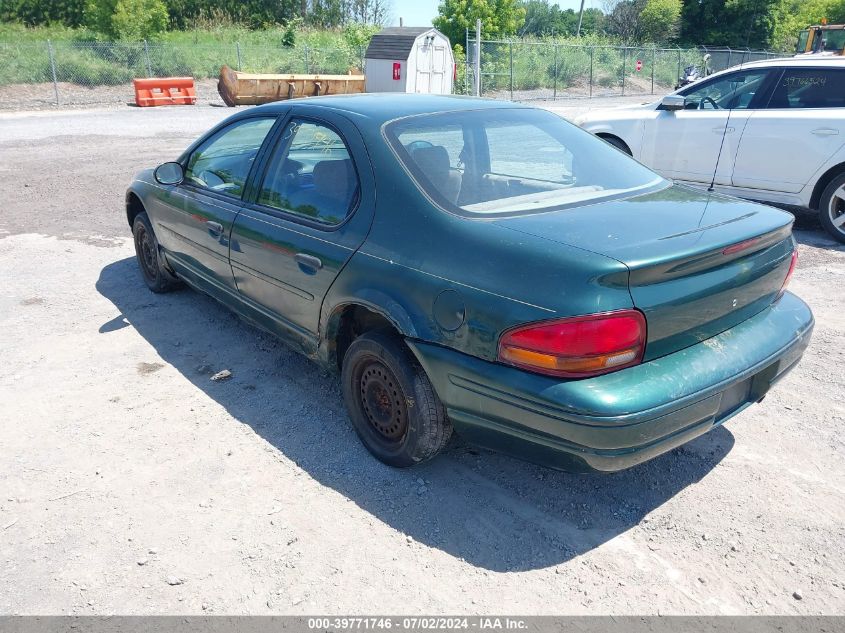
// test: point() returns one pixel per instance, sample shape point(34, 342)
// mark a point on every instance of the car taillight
point(577, 347)
point(792, 265)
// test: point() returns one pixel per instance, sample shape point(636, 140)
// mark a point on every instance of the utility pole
point(580, 18)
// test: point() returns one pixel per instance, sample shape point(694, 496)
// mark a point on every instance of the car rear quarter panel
point(496, 278)
point(813, 189)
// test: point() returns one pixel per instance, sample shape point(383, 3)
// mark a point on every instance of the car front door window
point(222, 163)
point(731, 92)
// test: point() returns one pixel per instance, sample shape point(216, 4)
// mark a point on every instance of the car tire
point(391, 402)
point(832, 208)
point(618, 143)
point(153, 272)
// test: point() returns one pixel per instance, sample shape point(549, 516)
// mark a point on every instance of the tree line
point(770, 24)
point(107, 16)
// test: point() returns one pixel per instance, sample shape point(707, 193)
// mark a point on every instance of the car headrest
point(433, 161)
point(334, 179)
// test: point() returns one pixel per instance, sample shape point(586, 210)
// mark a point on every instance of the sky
point(421, 12)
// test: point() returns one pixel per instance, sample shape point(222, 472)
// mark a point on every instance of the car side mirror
point(169, 174)
point(673, 102)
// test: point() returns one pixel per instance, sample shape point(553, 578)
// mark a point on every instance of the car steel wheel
point(391, 402)
point(146, 248)
point(383, 402)
point(157, 278)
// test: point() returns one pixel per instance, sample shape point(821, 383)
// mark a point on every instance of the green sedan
point(482, 267)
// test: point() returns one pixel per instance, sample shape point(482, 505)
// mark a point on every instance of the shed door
point(424, 68)
point(438, 70)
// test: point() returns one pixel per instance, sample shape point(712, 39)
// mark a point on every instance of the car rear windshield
point(512, 161)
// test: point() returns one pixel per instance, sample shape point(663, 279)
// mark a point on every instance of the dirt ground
point(42, 96)
point(131, 483)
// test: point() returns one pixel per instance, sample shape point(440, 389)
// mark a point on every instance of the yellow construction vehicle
point(821, 39)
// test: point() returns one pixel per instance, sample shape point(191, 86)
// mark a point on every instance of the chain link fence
point(545, 70)
point(89, 73)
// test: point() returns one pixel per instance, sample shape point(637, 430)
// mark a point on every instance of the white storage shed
point(409, 59)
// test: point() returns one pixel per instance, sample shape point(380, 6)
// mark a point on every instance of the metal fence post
point(653, 63)
point(477, 58)
point(511, 53)
point(238, 48)
point(592, 49)
point(147, 58)
point(554, 94)
point(679, 64)
point(466, 61)
point(53, 69)
point(624, 67)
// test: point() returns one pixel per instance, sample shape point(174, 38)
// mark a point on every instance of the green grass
point(81, 58)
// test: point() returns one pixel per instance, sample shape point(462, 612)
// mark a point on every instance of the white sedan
point(771, 131)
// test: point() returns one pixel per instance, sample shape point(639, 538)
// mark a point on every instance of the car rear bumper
point(615, 421)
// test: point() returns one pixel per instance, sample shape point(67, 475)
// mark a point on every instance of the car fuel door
point(308, 213)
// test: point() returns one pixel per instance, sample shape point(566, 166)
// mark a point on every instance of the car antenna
point(724, 134)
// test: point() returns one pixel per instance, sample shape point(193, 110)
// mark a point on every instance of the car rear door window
point(311, 174)
point(809, 88)
point(222, 163)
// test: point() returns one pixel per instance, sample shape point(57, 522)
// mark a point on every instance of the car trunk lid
point(699, 264)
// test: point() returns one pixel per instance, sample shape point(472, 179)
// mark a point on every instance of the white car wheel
point(832, 208)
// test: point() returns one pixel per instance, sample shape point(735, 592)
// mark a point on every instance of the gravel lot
point(131, 483)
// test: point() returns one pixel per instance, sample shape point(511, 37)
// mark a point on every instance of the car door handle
point(721, 129)
point(215, 228)
point(308, 261)
point(825, 131)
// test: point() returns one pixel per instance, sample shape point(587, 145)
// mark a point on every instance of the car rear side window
point(311, 174)
point(809, 88)
point(222, 163)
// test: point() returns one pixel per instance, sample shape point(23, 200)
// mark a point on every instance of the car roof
point(814, 61)
point(809, 61)
point(382, 107)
